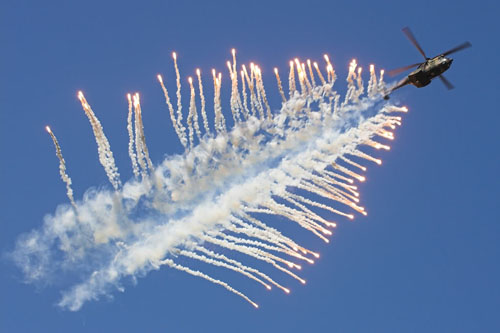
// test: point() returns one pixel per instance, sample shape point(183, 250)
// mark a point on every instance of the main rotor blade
point(458, 48)
point(402, 69)
point(446, 82)
point(412, 39)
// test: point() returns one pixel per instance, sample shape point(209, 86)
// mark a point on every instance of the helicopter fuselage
point(428, 70)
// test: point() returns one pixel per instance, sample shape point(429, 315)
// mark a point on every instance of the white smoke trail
point(250, 88)
point(178, 129)
point(306, 79)
point(192, 112)
point(140, 139)
point(131, 153)
point(103, 148)
point(222, 264)
point(260, 85)
point(268, 163)
point(170, 263)
point(202, 98)
point(321, 77)
point(246, 112)
point(280, 87)
point(291, 80)
point(311, 73)
point(62, 168)
point(182, 130)
point(240, 265)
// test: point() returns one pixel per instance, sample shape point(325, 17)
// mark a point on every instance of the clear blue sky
point(426, 259)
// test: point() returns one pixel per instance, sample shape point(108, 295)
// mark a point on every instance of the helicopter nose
point(447, 62)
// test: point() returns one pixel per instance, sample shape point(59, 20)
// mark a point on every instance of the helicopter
point(428, 70)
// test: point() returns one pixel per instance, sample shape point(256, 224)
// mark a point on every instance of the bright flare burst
point(290, 163)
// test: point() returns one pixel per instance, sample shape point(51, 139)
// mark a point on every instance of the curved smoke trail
point(270, 163)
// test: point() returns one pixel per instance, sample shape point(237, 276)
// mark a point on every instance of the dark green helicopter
point(428, 70)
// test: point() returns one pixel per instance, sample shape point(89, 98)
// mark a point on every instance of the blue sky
point(424, 259)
